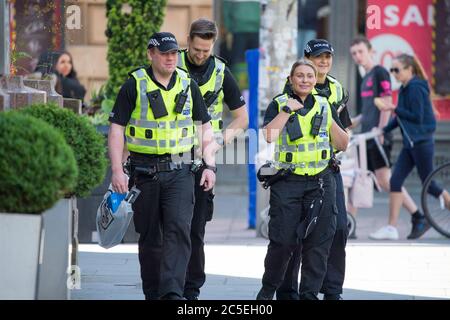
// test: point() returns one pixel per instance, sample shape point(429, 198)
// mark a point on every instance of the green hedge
point(87, 144)
point(37, 165)
point(128, 35)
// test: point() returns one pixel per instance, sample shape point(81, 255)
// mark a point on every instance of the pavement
point(376, 270)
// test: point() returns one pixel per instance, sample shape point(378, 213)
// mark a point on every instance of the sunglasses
point(395, 70)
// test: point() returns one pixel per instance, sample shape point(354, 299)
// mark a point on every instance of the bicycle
point(434, 209)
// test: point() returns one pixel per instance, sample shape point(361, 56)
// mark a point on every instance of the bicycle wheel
point(433, 208)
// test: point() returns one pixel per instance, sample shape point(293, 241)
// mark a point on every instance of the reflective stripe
point(146, 124)
point(142, 142)
point(186, 141)
point(282, 100)
point(338, 92)
point(323, 145)
point(323, 103)
point(290, 148)
point(216, 116)
point(172, 143)
point(144, 99)
point(185, 81)
point(312, 146)
point(220, 68)
point(185, 123)
point(302, 165)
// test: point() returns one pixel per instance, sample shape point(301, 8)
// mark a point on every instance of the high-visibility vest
point(173, 133)
point(337, 92)
point(308, 155)
point(214, 84)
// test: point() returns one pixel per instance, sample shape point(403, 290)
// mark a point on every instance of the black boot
point(265, 294)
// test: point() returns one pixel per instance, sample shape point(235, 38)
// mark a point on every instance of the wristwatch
point(212, 168)
point(287, 109)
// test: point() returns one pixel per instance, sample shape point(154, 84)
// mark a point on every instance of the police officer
point(217, 86)
point(302, 206)
point(155, 110)
point(320, 52)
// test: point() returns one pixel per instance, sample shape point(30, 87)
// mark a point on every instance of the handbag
point(361, 193)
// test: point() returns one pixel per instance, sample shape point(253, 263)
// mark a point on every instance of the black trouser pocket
point(210, 206)
point(308, 224)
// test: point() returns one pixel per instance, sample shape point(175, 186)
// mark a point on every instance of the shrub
point(128, 32)
point(88, 145)
point(37, 165)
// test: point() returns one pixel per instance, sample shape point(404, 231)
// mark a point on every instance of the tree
point(130, 25)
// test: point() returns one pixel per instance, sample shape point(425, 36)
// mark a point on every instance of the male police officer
point(217, 86)
point(156, 109)
point(320, 52)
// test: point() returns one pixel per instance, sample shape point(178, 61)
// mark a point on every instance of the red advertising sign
point(405, 26)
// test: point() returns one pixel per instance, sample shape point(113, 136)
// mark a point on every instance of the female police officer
point(302, 206)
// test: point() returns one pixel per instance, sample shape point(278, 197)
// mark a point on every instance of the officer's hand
point(119, 182)
point(208, 179)
point(294, 104)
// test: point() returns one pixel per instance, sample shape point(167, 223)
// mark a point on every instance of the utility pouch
point(265, 172)
point(210, 97)
point(157, 104)
point(280, 175)
point(293, 128)
point(180, 100)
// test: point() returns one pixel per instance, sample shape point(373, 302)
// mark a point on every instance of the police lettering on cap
point(317, 46)
point(164, 41)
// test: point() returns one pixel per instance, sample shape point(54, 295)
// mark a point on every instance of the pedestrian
point(376, 95)
point(217, 86)
point(61, 65)
point(302, 205)
point(156, 109)
point(416, 119)
point(321, 52)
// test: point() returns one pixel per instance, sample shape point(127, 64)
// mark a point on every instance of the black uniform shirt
point(272, 109)
point(231, 93)
point(126, 100)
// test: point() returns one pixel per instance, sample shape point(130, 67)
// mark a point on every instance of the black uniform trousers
point(334, 278)
point(203, 212)
point(290, 200)
point(162, 217)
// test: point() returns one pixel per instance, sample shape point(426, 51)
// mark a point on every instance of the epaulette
point(221, 59)
point(183, 69)
point(279, 95)
point(135, 69)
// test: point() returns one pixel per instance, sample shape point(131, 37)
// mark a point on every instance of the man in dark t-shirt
point(376, 97)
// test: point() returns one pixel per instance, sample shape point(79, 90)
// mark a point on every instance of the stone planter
point(21, 95)
point(21, 241)
point(34, 253)
point(47, 86)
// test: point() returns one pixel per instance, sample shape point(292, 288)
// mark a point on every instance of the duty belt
point(152, 168)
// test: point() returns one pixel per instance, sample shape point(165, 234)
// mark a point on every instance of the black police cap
point(317, 46)
point(164, 41)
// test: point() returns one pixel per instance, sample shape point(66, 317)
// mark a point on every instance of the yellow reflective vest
point(214, 84)
point(173, 133)
point(307, 155)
